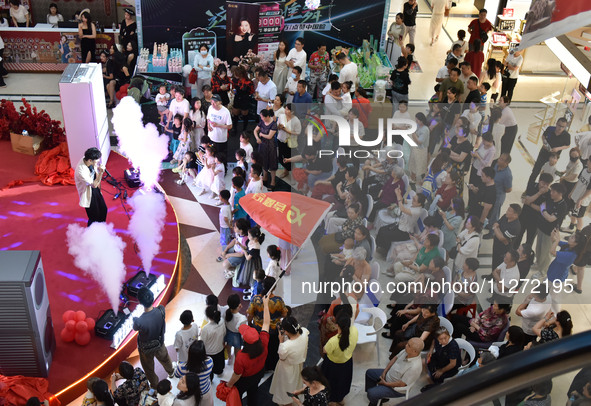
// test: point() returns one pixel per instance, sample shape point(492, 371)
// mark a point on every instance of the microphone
point(108, 173)
point(116, 195)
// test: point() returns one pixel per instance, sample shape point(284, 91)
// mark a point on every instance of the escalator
point(513, 373)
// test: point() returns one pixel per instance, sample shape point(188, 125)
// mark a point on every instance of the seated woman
point(452, 221)
point(422, 325)
point(552, 327)
point(406, 225)
point(329, 186)
point(355, 195)
point(343, 188)
point(466, 295)
point(387, 195)
point(409, 270)
point(408, 249)
point(485, 327)
point(330, 243)
point(444, 358)
point(376, 173)
point(515, 339)
point(447, 192)
point(362, 268)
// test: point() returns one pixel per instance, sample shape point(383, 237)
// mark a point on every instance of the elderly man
point(402, 371)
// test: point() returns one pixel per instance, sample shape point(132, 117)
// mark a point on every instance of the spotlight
point(139, 280)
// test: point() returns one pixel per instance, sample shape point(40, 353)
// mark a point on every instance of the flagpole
point(286, 267)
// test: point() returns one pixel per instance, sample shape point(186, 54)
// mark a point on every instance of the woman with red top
point(221, 84)
point(387, 196)
point(485, 327)
point(243, 89)
point(249, 366)
point(447, 191)
point(475, 57)
point(362, 104)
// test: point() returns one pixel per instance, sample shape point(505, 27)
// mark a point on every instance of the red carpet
point(35, 217)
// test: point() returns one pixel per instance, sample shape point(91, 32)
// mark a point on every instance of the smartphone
point(293, 395)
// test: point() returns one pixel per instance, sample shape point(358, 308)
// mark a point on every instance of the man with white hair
point(402, 371)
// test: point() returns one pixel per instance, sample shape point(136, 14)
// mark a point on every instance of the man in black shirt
point(317, 168)
point(530, 213)
point(151, 326)
point(505, 231)
point(554, 139)
point(409, 16)
point(483, 196)
point(473, 95)
point(552, 213)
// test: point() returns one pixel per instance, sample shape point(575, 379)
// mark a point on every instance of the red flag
point(289, 216)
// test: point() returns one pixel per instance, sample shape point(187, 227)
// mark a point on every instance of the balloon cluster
point(78, 327)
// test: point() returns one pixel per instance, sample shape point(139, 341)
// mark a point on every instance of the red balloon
point(68, 315)
point(81, 327)
point(67, 335)
point(71, 325)
point(80, 315)
point(91, 323)
point(82, 338)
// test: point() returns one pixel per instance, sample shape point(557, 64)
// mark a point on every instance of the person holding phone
point(315, 390)
point(88, 183)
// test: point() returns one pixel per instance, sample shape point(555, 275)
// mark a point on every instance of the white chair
point(405, 390)
point(446, 305)
point(447, 273)
point(375, 270)
point(372, 242)
point(466, 346)
point(419, 225)
point(370, 203)
point(443, 322)
point(442, 252)
point(370, 334)
point(364, 221)
point(406, 183)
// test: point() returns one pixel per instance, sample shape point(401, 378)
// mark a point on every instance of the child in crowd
point(257, 285)
point(246, 146)
point(483, 89)
point(219, 183)
point(241, 159)
point(184, 141)
point(183, 340)
point(213, 334)
point(89, 398)
point(237, 171)
point(274, 268)
point(199, 121)
point(204, 179)
point(162, 99)
point(253, 257)
point(187, 168)
point(165, 396)
point(347, 251)
point(331, 78)
point(234, 319)
point(175, 132)
point(225, 219)
point(256, 182)
point(238, 211)
point(164, 115)
point(435, 97)
point(550, 166)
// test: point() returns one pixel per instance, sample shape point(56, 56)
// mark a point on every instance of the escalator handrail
point(575, 349)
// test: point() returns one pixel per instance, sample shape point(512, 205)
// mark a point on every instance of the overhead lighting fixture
point(312, 4)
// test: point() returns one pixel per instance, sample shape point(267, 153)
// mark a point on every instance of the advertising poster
point(194, 39)
point(270, 27)
point(343, 22)
point(242, 29)
point(551, 18)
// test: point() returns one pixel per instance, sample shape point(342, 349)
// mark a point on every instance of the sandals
point(219, 259)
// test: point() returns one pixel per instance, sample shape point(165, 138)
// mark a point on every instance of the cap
point(216, 97)
point(130, 11)
point(249, 334)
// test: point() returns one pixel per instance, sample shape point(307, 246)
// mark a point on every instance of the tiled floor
point(199, 217)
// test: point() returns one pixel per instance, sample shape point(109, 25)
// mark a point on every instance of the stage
point(35, 217)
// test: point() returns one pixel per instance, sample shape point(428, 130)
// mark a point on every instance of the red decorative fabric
point(229, 395)
point(300, 176)
point(122, 92)
point(16, 390)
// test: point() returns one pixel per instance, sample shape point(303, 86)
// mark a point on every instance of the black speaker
point(132, 177)
point(27, 339)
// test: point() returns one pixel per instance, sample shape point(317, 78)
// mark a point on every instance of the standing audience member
point(505, 279)
point(503, 184)
point(183, 340)
point(439, 7)
point(400, 81)
point(213, 334)
point(580, 196)
point(201, 364)
point(87, 34)
point(348, 70)
point(409, 11)
point(532, 310)
point(297, 56)
point(281, 70)
point(128, 393)
point(319, 69)
point(479, 28)
point(151, 326)
point(535, 195)
point(189, 391)
point(509, 122)
point(203, 64)
point(315, 390)
point(505, 231)
point(513, 64)
point(219, 121)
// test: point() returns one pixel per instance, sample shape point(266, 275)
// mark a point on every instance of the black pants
point(219, 362)
point(528, 223)
point(97, 212)
point(221, 147)
point(3, 71)
point(508, 139)
point(462, 327)
point(284, 152)
point(498, 255)
point(250, 385)
point(507, 88)
point(388, 234)
point(376, 208)
point(543, 157)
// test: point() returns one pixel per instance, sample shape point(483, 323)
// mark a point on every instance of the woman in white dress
point(419, 154)
point(293, 347)
point(395, 35)
point(439, 7)
point(199, 121)
point(281, 69)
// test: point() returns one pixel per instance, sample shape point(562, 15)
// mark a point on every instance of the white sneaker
point(537, 275)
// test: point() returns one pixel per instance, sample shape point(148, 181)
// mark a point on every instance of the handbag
point(483, 35)
point(152, 346)
point(193, 76)
point(453, 253)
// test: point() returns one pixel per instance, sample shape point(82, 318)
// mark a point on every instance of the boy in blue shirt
point(238, 211)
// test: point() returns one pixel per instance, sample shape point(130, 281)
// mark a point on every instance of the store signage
point(508, 12)
point(193, 39)
point(270, 27)
point(308, 27)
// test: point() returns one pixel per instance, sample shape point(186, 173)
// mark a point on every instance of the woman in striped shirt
point(201, 364)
